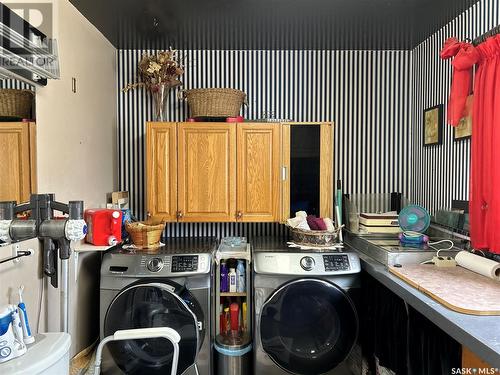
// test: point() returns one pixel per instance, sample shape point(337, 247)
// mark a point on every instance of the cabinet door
point(308, 162)
point(258, 159)
point(207, 171)
point(161, 170)
point(15, 159)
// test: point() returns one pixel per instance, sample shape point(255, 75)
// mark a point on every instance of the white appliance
point(171, 287)
point(49, 355)
point(305, 319)
point(11, 334)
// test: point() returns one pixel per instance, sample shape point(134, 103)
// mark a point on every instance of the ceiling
point(270, 24)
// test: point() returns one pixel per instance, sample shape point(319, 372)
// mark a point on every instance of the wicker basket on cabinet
point(16, 103)
point(214, 102)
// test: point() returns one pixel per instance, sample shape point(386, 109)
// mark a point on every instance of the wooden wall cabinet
point(161, 170)
point(18, 161)
point(307, 169)
point(213, 172)
point(207, 171)
point(247, 172)
point(258, 160)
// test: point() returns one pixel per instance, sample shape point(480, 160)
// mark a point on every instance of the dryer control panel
point(306, 263)
point(336, 262)
point(184, 263)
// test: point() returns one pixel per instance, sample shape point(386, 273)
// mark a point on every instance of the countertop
point(481, 334)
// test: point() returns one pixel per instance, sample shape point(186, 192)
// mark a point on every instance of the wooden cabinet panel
point(17, 158)
point(161, 170)
point(472, 361)
point(326, 171)
point(207, 171)
point(258, 160)
point(313, 160)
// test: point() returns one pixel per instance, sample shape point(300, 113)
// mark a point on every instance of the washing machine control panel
point(307, 263)
point(336, 262)
point(155, 264)
point(184, 263)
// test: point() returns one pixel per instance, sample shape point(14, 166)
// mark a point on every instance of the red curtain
point(485, 153)
point(464, 57)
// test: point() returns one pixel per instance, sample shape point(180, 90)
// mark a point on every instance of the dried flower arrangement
point(158, 73)
point(162, 68)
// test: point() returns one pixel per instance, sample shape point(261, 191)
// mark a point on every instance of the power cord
point(473, 251)
point(438, 250)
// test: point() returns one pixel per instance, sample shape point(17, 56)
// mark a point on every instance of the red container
point(235, 119)
point(235, 312)
point(104, 226)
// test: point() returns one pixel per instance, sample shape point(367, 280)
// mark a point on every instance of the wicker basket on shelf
point(145, 234)
point(16, 103)
point(317, 238)
point(214, 102)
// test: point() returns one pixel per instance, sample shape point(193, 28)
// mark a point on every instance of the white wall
point(76, 157)
point(77, 132)
point(76, 147)
point(26, 272)
point(83, 293)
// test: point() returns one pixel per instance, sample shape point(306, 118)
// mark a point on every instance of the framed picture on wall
point(464, 128)
point(433, 125)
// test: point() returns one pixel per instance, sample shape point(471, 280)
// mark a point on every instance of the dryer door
point(308, 326)
point(154, 304)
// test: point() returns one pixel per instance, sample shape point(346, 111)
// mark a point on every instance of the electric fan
point(414, 221)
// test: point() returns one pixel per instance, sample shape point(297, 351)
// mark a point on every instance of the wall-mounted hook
point(16, 254)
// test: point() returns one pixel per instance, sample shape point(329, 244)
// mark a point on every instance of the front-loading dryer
point(305, 319)
point(169, 287)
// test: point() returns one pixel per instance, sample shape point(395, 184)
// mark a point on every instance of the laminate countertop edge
point(481, 334)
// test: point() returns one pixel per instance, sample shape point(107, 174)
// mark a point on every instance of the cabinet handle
point(239, 215)
point(283, 173)
point(180, 215)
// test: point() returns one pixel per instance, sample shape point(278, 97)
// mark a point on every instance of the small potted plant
point(158, 73)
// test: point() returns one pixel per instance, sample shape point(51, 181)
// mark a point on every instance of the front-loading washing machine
point(305, 319)
point(169, 287)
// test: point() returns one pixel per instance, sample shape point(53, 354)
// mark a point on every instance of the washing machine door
point(308, 326)
point(147, 304)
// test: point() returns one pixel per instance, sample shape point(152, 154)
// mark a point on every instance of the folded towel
point(303, 225)
point(329, 224)
point(320, 223)
point(311, 221)
point(301, 214)
point(298, 223)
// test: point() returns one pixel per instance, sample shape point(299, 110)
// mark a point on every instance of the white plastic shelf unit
point(225, 252)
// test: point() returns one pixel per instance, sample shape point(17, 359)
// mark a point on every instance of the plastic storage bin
point(233, 357)
point(233, 318)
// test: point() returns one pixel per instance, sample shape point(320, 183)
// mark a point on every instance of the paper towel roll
point(481, 265)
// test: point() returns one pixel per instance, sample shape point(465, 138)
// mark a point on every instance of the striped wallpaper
point(375, 98)
point(366, 93)
point(440, 174)
point(15, 84)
